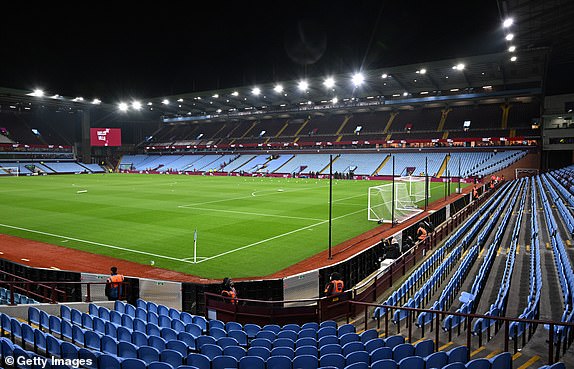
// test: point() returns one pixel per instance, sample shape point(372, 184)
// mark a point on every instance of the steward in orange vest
point(421, 232)
point(335, 285)
point(228, 290)
point(114, 285)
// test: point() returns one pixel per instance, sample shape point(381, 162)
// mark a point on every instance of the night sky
point(112, 50)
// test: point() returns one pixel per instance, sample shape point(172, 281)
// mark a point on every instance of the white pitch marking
point(271, 192)
point(92, 243)
point(258, 214)
point(278, 236)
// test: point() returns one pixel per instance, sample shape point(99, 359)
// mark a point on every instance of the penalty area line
point(95, 243)
point(278, 236)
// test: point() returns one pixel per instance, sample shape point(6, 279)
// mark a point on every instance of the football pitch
point(246, 226)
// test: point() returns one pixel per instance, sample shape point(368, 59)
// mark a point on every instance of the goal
point(9, 171)
point(382, 203)
point(415, 187)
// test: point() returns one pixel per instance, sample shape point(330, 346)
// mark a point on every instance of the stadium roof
point(463, 78)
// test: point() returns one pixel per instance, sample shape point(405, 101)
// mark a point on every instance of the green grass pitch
point(246, 226)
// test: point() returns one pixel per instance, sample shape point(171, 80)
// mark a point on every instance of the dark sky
point(116, 49)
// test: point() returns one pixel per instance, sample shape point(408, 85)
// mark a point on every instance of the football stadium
point(416, 212)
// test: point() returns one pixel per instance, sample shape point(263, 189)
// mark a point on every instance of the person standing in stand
point(114, 285)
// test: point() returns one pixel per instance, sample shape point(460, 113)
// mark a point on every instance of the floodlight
point(459, 66)
point(96, 101)
point(509, 37)
point(38, 92)
point(303, 85)
point(512, 48)
point(384, 76)
point(329, 82)
point(405, 93)
point(507, 22)
point(218, 111)
point(165, 102)
point(149, 103)
point(278, 88)
point(136, 105)
point(335, 100)
point(123, 106)
point(358, 79)
point(215, 96)
point(421, 71)
point(181, 100)
point(513, 59)
point(256, 91)
point(235, 93)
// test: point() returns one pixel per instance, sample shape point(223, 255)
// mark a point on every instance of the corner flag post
point(195, 246)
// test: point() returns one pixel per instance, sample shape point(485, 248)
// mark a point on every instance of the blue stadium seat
point(34, 315)
point(188, 339)
point(279, 362)
point(307, 333)
point(333, 348)
point(284, 342)
point(329, 339)
point(424, 348)
point(436, 360)
point(69, 350)
point(326, 331)
point(290, 334)
point(92, 340)
point(178, 325)
point(223, 342)
point(309, 341)
point(133, 363)
point(239, 336)
point(233, 326)
point(413, 362)
point(349, 337)
point(168, 333)
point(402, 351)
point(307, 350)
point(251, 362)
point(148, 354)
point(264, 342)
point(358, 357)
point(236, 351)
point(478, 364)
point(251, 330)
point(198, 361)
point(310, 325)
point(127, 349)
point(259, 351)
point(109, 345)
point(368, 335)
point(217, 332)
point(458, 355)
point(384, 364)
point(194, 329)
point(109, 362)
point(393, 341)
point(89, 357)
point(305, 362)
point(374, 344)
point(157, 342)
point(202, 340)
point(172, 357)
point(353, 347)
point(345, 328)
point(283, 351)
point(501, 361)
point(291, 327)
point(139, 338)
point(224, 362)
point(211, 350)
point(336, 360)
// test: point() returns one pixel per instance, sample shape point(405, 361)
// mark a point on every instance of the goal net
point(9, 171)
point(382, 203)
point(415, 187)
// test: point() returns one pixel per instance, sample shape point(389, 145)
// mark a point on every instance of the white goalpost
point(415, 186)
point(6, 171)
point(384, 207)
